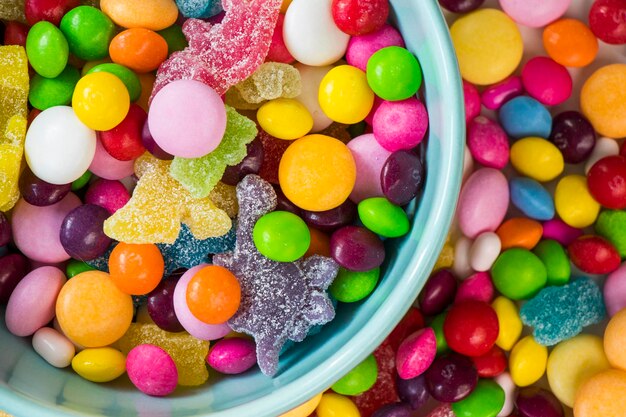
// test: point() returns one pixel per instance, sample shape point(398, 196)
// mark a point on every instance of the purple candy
point(5, 230)
point(537, 402)
point(161, 306)
point(438, 293)
point(13, 267)
point(357, 249)
point(110, 194)
point(331, 220)
point(82, 236)
point(150, 144)
point(152, 370)
point(451, 378)
point(573, 135)
point(232, 356)
point(39, 192)
point(402, 177)
point(251, 164)
point(393, 410)
point(284, 204)
point(413, 391)
point(495, 96)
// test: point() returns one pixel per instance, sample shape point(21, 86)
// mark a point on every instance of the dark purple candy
point(393, 410)
point(82, 236)
point(413, 391)
point(251, 164)
point(150, 144)
point(573, 135)
point(357, 249)
point(285, 204)
point(461, 6)
point(402, 177)
point(537, 402)
point(5, 230)
point(438, 293)
point(39, 192)
point(161, 306)
point(13, 268)
point(333, 219)
point(451, 378)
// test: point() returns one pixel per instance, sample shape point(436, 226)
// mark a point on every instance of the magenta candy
point(369, 157)
point(13, 267)
point(232, 356)
point(110, 194)
point(161, 306)
point(278, 50)
point(251, 164)
point(361, 48)
point(33, 301)
point(150, 144)
point(471, 98)
point(81, 233)
point(5, 230)
point(494, 96)
point(538, 402)
point(607, 21)
point(488, 142)
point(402, 177)
point(400, 125)
point(451, 378)
point(152, 370)
point(369, 119)
point(438, 292)
point(614, 291)
point(107, 167)
point(39, 192)
point(416, 353)
point(357, 249)
point(333, 219)
point(547, 81)
point(478, 286)
point(560, 231)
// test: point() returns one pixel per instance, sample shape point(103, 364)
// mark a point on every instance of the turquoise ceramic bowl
point(29, 387)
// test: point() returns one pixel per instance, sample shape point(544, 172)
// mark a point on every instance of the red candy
point(49, 10)
point(594, 255)
point(607, 181)
point(123, 142)
point(412, 321)
point(491, 364)
point(359, 17)
point(607, 20)
point(273, 150)
point(471, 328)
point(278, 50)
point(15, 33)
point(471, 97)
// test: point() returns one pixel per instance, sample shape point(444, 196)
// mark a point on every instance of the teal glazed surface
point(29, 387)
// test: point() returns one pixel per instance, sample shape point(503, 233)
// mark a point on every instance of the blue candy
point(199, 9)
point(560, 313)
point(531, 198)
point(524, 116)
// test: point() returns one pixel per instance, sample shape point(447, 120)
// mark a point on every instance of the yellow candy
point(446, 256)
point(159, 204)
point(150, 14)
point(189, 354)
point(602, 395)
point(285, 118)
point(527, 362)
point(615, 340)
point(509, 322)
point(225, 198)
point(537, 158)
point(304, 409)
point(92, 311)
point(488, 46)
point(606, 112)
point(270, 81)
point(317, 172)
point(101, 100)
point(335, 405)
point(345, 96)
point(572, 363)
point(573, 202)
point(100, 364)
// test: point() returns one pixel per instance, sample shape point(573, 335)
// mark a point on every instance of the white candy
point(59, 148)
point(55, 348)
point(484, 251)
point(468, 164)
point(507, 384)
point(311, 35)
point(461, 266)
point(604, 147)
point(311, 80)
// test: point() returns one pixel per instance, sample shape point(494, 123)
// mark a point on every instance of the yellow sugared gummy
point(224, 196)
point(270, 81)
point(527, 362)
point(234, 99)
point(335, 405)
point(285, 118)
point(345, 96)
point(488, 45)
point(317, 172)
point(602, 395)
point(615, 340)
point(189, 354)
point(537, 158)
point(572, 362)
point(92, 311)
point(573, 202)
point(603, 100)
point(99, 364)
point(305, 409)
point(158, 206)
point(509, 322)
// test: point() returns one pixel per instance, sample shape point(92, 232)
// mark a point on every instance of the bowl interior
point(31, 387)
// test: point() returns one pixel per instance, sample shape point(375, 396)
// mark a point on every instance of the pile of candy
point(195, 172)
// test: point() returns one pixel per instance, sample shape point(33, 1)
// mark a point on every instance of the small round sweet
point(484, 251)
point(124, 141)
point(507, 384)
point(527, 361)
point(213, 294)
point(251, 164)
point(285, 118)
point(150, 144)
point(570, 42)
point(525, 117)
point(488, 142)
point(607, 182)
point(82, 181)
point(402, 177)
point(416, 353)
point(496, 95)
point(613, 291)
point(15, 33)
point(232, 356)
point(369, 158)
point(47, 49)
point(486, 56)
point(139, 49)
point(437, 326)
point(311, 78)
point(518, 274)
point(278, 50)
point(112, 195)
point(461, 6)
point(557, 263)
point(88, 32)
point(359, 17)
point(151, 14)
point(613, 340)
point(471, 99)
point(152, 370)
point(281, 236)
point(160, 305)
point(55, 348)
point(438, 292)
point(394, 73)
point(81, 233)
point(607, 21)
point(175, 38)
point(75, 267)
point(335, 405)
point(602, 395)
point(100, 100)
point(38, 192)
point(413, 391)
point(604, 147)
point(330, 220)
point(383, 218)
point(400, 125)
point(99, 364)
point(107, 167)
point(486, 400)
point(547, 81)
point(190, 109)
point(477, 286)
point(127, 76)
point(492, 363)
point(307, 408)
point(317, 172)
point(345, 96)
point(471, 327)
point(573, 135)
point(532, 199)
point(534, 13)
point(560, 231)
point(537, 158)
point(49, 10)
point(361, 378)
point(574, 203)
point(92, 311)
point(361, 48)
point(49, 92)
point(136, 269)
point(451, 378)
point(606, 111)
point(538, 402)
point(352, 286)
point(13, 268)
point(357, 249)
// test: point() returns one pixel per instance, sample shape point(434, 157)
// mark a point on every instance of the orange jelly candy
point(136, 269)
point(519, 232)
point(213, 294)
point(139, 49)
point(570, 42)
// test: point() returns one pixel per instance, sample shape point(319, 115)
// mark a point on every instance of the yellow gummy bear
point(270, 81)
point(189, 354)
point(159, 204)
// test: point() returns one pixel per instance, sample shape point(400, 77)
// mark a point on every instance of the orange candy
point(570, 42)
point(136, 269)
point(519, 232)
point(213, 294)
point(139, 49)
point(147, 82)
point(320, 243)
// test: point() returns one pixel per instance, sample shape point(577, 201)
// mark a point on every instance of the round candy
point(607, 21)
point(331, 404)
point(100, 100)
point(573, 135)
point(307, 408)
point(82, 181)
point(361, 48)
point(189, 109)
point(535, 13)
point(251, 164)
point(400, 125)
point(47, 49)
point(359, 17)
point(357, 249)
point(311, 78)
point(232, 356)
point(361, 378)
point(451, 378)
point(136, 269)
point(112, 195)
point(383, 218)
point(574, 203)
point(538, 402)
point(161, 306)
point(278, 50)
point(331, 220)
point(370, 158)
point(88, 32)
point(556, 261)
point(604, 147)
point(107, 167)
point(613, 340)
point(461, 6)
point(518, 274)
point(532, 199)
point(281, 236)
point(486, 56)
point(40, 193)
point(81, 234)
point(13, 267)
point(607, 182)
point(285, 118)
point(614, 290)
point(487, 142)
point(438, 292)
point(55, 348)
point(99, 364)
point(175, 38)
point(524, 117)
point(15, 33)
point(127, 76)
point(152, 370)
point(394, 73)
point(484, 251)
point(49, 92)
point(352, 286)
point(471, 328)
point(570, 42)
point(49, 10)
point(560, 231)
point(496, 95)
point(75, 267)
point(507, 384)
point(547, 81)
point(150, 144)
point(486, 400)
point(402, 177)
point(124, 141)
point(602, 395)
point(491, 364)
point(150, 14)
point(527, 361)
point(477, 287)
point(345, 96)
point(413, 391)
point(606, 111)
point(139, 49)
point(471, 99)
point(416, 353)
point(213, 294)
point(537, 158)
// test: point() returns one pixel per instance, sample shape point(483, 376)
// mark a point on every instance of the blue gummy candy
point(523, 116)
point(531, 198)
point(199, 9)
point(560, 313)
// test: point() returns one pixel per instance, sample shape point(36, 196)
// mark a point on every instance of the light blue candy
point(531, 198)
point(199, 9)
point(524, 116)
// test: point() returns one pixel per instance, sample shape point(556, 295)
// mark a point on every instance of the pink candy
point(232, 356)
point(547, 81)
point(472, 101)
point(493, 97)
point(361, 48)
point(278, 50)
point(416, 353)
point(112, 195)
point(535, 13)
point(152, 370)
point(476, 287)
point(107, 167)
point(400, 125)
point(369, 157)
point(488, 142)
point(615, 291)
point(560, 231)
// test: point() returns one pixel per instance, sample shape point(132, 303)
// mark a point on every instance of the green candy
point(555, 259)
point(611, 225)
point(352, 286)
point(175, 38)
point(486, 400)
point(81, 181)
point(88, 32)
point(49, 92)
point(47, 49)
point(384, 218)
point(126, 75)
point(518, 274)
point(393, 73)
point(358, 380)
point(75, 267)
point(281, 236)
point(437, 326)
